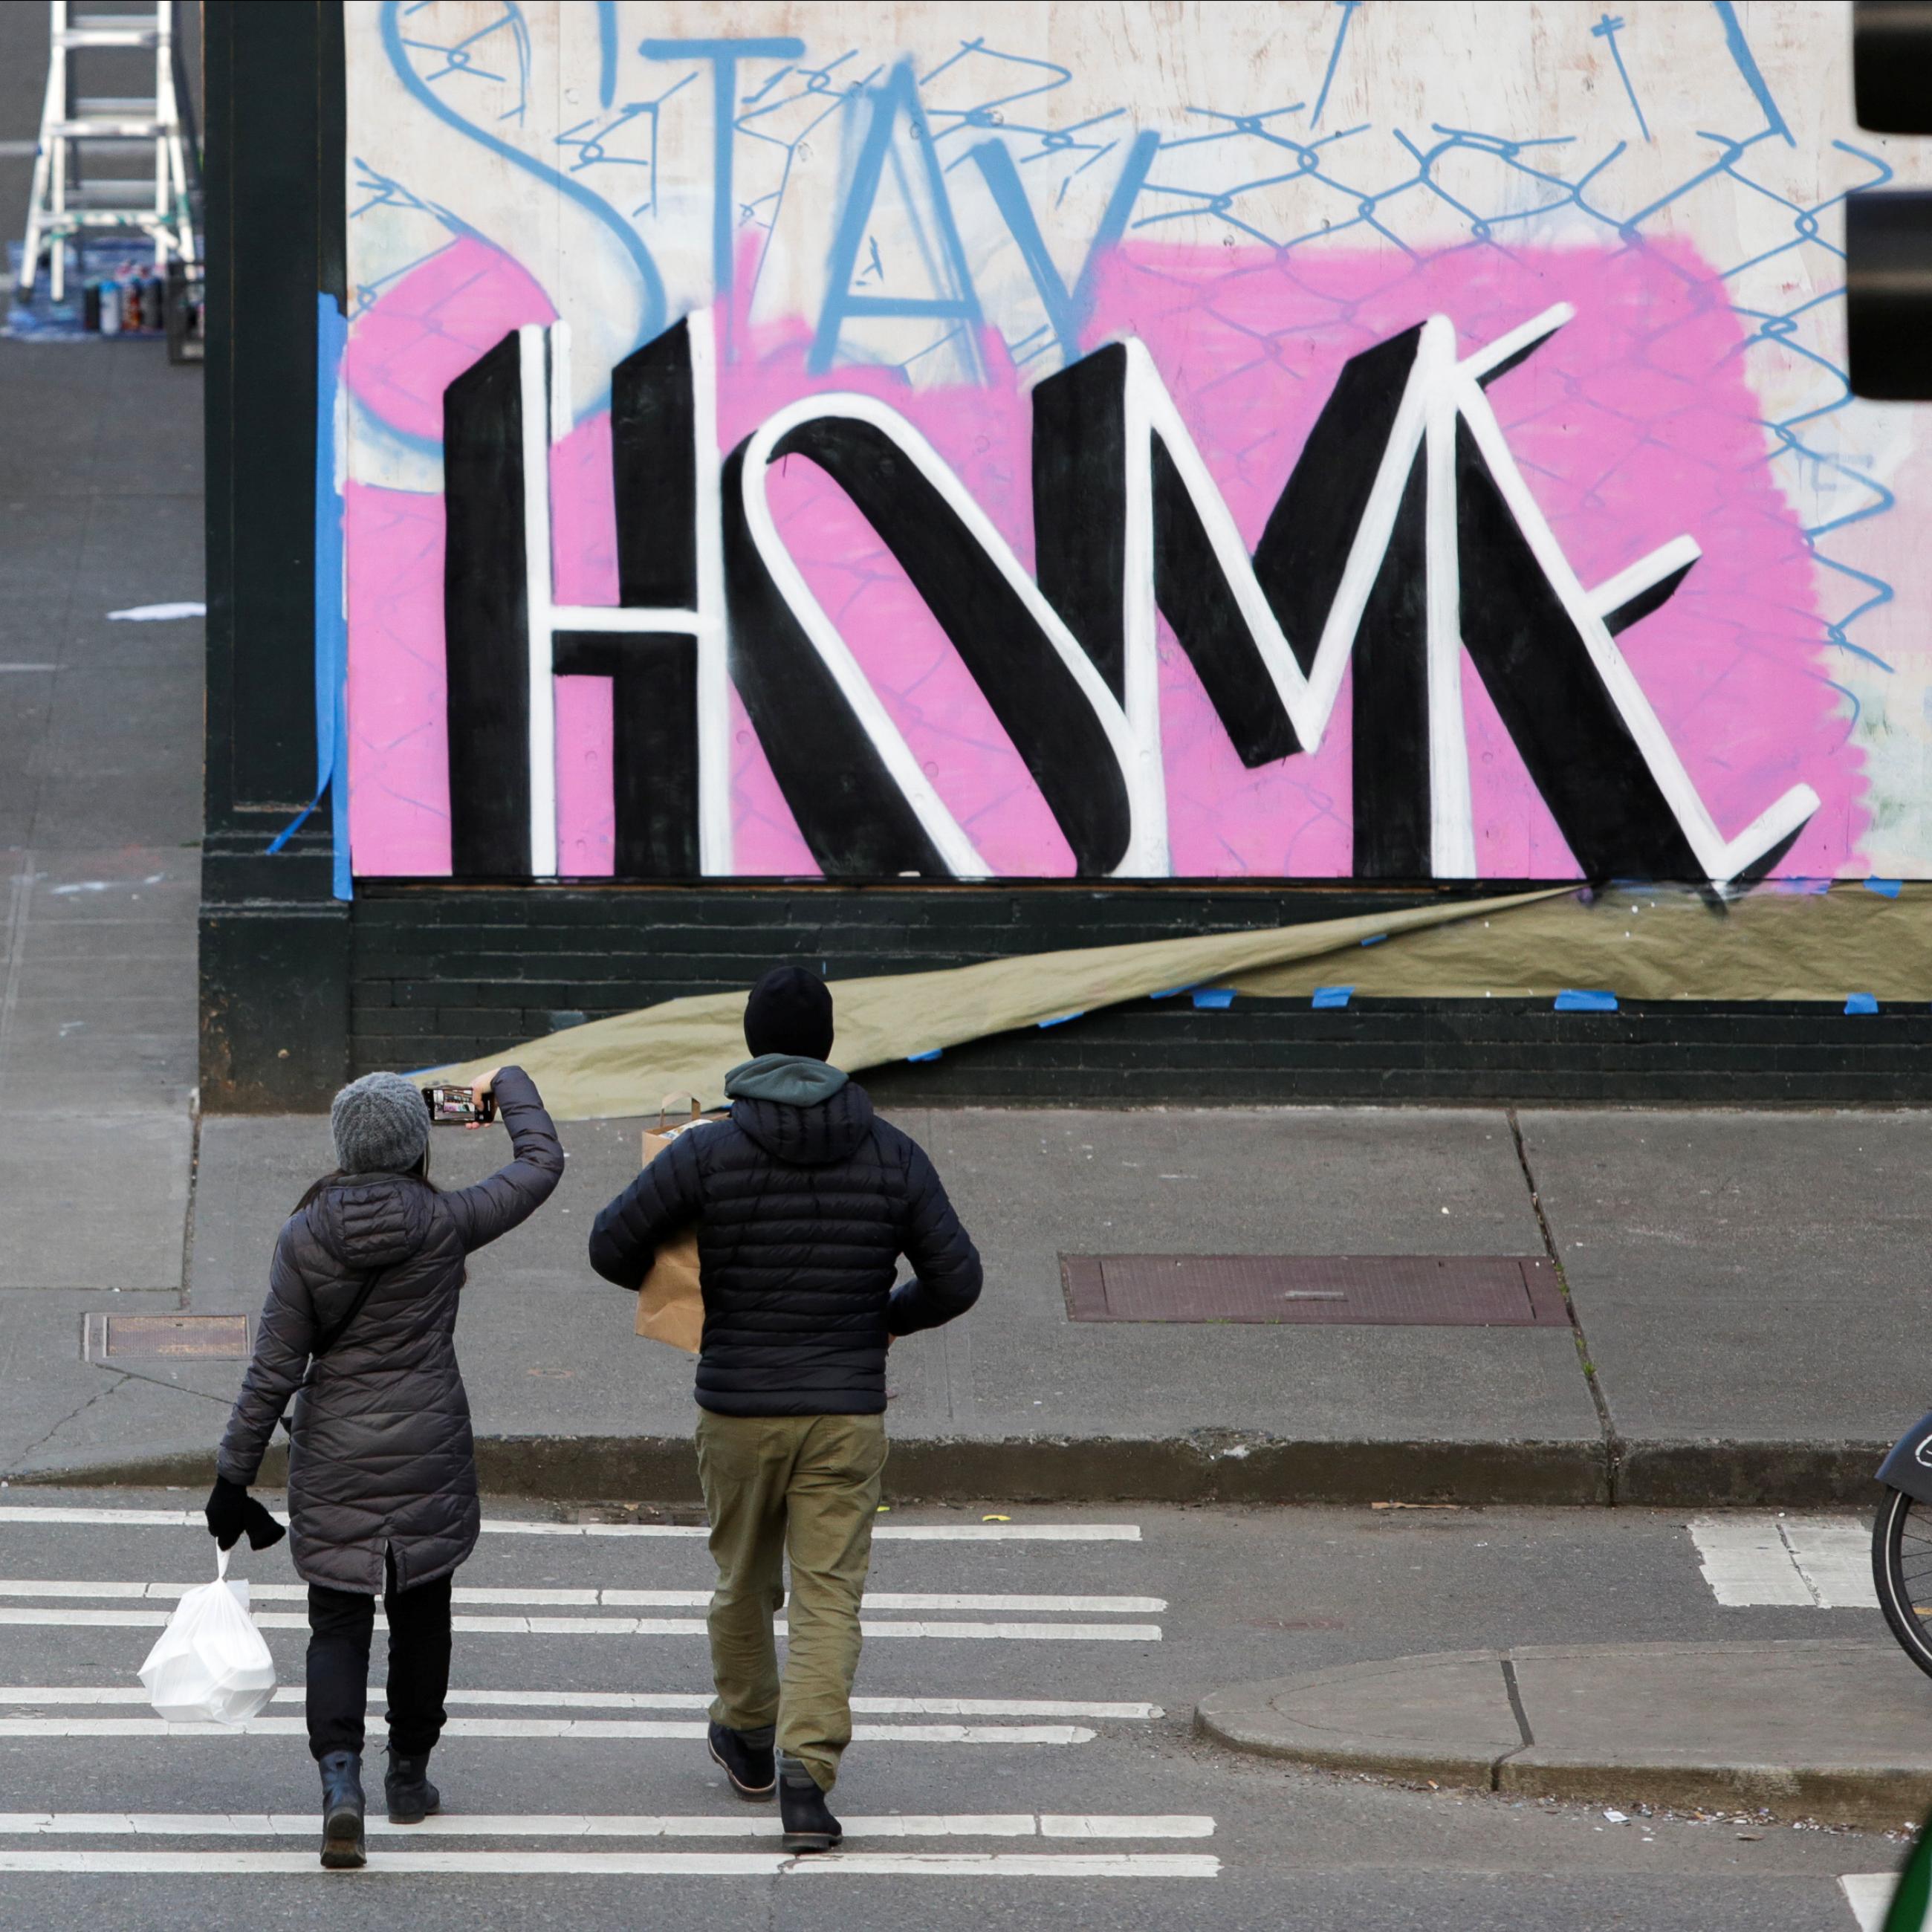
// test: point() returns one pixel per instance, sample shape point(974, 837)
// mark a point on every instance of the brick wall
point(442, 974)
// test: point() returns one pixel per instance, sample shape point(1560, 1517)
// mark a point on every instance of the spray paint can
point(153, 295)
point(110, 308)
point(90, 308)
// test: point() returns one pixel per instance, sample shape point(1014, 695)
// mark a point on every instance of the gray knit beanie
point(381, 1125)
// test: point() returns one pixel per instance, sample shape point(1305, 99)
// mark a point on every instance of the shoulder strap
point(329, 1339)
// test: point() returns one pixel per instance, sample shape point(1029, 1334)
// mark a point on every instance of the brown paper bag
point(671, 1303)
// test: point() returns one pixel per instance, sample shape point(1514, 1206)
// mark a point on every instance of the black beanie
point(790, 1011)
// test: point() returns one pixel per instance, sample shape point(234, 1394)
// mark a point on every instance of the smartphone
point(458, 1107)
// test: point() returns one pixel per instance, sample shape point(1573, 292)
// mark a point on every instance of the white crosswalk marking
point(1869, 1894)
point(52, 1696)
point(567, 1825)
point(614, 1864)
point(661, 1593)
point(83, 1589)
point(578, 1728)
point(489, 1626)
point(886, 1532)
point(1752, 1558)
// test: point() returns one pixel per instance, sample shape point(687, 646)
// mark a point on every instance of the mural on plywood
point(1137, 442)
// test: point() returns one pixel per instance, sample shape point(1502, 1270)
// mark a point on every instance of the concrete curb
point(1204, 1466)
point(1835, 1731)
point(1207, 1466)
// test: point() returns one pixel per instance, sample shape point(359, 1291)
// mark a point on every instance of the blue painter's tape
point(1172, 993)
point(1375, 939)
point(1213, 999)
point(919, 1059)
point(1331, 996)
point(1060, 1019)
point(1861, 1002)
point(332, 636)
point(1570, 1000)
point(1886, 889)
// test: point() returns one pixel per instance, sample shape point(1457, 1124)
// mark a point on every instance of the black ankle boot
point(411, 1796)
point(809, 1826)
point(747, 1759)
point(342, 1812)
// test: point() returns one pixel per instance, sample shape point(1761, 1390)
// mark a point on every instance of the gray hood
point(789, 1078)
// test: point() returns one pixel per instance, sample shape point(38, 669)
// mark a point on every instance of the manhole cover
point(1419, 1291)
point(199, 1338)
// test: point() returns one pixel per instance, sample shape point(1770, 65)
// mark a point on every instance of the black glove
point(226, 1511)
point(232, 1512)
point(264, 1531)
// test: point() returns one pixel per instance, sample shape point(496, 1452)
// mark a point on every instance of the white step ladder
point(64, 202)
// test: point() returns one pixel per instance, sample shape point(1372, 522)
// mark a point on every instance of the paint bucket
point(110, 308)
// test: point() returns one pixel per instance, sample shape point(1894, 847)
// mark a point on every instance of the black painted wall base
point(440, 973)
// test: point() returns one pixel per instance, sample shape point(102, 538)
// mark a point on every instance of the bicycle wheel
point(1902, 1573)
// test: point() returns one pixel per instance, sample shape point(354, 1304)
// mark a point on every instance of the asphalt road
point(1182, 1833)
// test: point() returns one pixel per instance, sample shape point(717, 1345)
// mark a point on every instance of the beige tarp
point(628, 1064)
point(1649, 943)
point(1652, 943)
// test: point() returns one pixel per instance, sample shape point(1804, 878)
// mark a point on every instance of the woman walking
point(358, 1327)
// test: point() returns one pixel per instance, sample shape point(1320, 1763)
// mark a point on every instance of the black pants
point(340, 1623)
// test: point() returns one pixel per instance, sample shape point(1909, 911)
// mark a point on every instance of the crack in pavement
point(19, 1464)
point(1613, 1442)
point(1522, 1716)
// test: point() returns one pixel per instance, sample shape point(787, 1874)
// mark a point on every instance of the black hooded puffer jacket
point(802, 1212)
point(382, 1453)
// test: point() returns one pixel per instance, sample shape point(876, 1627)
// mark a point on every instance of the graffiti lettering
point(1404, 535)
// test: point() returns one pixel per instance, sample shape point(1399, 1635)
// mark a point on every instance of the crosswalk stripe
point(871, 1627)
point(567, 1825)
point(1869, 1894)
point(901, 1532)
point(45, 1695)
point(613, 1865)
point(79, 1588)
point(1818, 1562)
point(539, 1727)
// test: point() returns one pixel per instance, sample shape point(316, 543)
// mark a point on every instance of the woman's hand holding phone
point(484, 1112)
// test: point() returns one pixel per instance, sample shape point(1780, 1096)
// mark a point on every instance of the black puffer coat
point(802, 1212)
point(382, 1454)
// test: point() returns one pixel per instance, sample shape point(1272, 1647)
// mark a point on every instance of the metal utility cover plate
point(199, 1338)
point(1414, 1291)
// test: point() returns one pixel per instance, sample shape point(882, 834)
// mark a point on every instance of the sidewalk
point(1748, 1345)
point(1834, 1731)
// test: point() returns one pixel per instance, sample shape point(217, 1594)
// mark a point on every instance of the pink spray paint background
point(1634, 424)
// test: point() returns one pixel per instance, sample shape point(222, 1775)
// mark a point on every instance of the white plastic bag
point(210, 1665)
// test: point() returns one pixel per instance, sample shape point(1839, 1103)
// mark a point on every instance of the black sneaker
point(809, 1826)
point(405, 1786)
point(746, 1759)
point(342, 1812)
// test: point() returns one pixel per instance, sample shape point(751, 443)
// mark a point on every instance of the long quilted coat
point(381, 1454)
point(802, 1212)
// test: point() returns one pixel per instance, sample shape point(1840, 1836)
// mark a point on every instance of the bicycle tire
point(1900, 1516)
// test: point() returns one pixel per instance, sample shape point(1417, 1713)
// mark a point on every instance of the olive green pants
point(805, 1488)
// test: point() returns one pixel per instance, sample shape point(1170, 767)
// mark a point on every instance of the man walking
point(803, 1200)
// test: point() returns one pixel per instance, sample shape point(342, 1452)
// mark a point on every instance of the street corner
point(1448, 1717)
point(1827, 1731)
